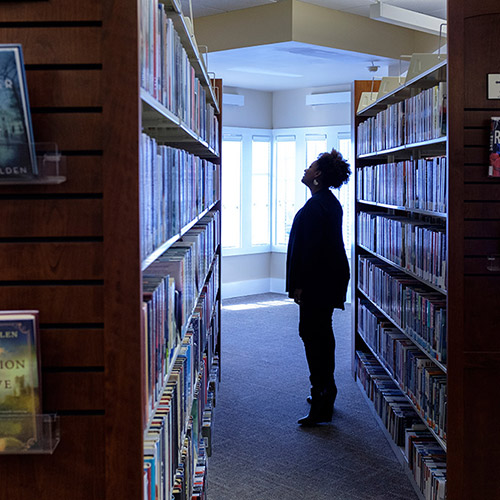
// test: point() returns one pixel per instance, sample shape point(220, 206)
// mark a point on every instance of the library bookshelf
point(79, 251)
point(470, 231)
point(400, 267)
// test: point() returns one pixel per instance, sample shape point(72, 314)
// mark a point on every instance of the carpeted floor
point(259, 451)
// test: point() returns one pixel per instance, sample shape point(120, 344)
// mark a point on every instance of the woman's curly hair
point(334, 169)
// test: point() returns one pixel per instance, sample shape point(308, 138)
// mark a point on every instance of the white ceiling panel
point(292, 65)
point(361, 7)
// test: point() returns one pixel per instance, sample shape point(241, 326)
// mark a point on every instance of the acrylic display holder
point(51, 167)
point(44, 428)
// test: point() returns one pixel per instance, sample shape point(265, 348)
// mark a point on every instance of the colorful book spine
point(417, 119)
point(167, 73)
point(419, 312)
point(425, 457)
point(175, 187)
point(413, 184)
point(411, 244)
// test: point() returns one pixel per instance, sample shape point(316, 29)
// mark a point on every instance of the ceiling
point(292, 65)
point(201, 8)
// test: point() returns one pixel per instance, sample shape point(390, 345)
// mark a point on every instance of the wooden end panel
point(481, 453)
point(50, 218)
point(361, 86)
point(475, 247)
point(483, 314)
point(123, 340)
point(479, 117)
point(57, 303)
point(56, 45)
point(483, 192)
point(476, 265)
point(483, 210)
point(83, 176)
point(64, 88)
point(485, 7)
point(482, 229)
point(482, 29)
point(51, 10)
point(51, 261)
point(478, 171)
point(477, 137)
point(74, 471)
point(67, 347)
point(70, 131)
point(72, 391)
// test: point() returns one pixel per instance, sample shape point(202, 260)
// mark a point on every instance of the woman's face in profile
point(310, 174)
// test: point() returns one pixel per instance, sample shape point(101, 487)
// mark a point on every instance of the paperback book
point(20, 400)
point(17, 148)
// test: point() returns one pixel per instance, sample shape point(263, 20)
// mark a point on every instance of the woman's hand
point(297, 295)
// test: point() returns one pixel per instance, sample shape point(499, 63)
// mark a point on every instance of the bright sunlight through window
point(231, 191)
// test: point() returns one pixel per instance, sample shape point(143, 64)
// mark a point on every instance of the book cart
point(82, 251)
point(467, 224)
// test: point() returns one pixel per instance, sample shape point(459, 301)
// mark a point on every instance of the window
point(285, 187)
point(231, 191)
point(346, 194)
point(315, 145)
point(261, 193)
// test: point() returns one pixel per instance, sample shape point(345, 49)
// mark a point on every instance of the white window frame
point(333, 133)
point(247, 135)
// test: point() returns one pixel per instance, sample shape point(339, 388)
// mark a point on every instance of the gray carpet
point(259, 452)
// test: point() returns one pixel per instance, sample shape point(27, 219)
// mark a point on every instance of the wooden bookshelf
point(435, 146)
point(472, 228)
point(72, 250)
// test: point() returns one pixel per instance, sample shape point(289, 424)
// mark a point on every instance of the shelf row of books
point(414, 184)
point(425, 458)
point(168, 75)
point(178, 438)
point(416, 310)
point(416, 119)
point(416, 375)
point(416, 246)
point(175, 446)
point(175, 187)
point(186, 275)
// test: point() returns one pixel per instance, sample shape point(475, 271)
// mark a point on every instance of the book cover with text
point(19, 379)
point(17, 148)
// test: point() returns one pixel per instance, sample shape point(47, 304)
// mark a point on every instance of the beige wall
point(292, 20)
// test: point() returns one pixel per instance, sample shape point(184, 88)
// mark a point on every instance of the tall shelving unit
point(400, 259)
point(73, 250)
point(473, 237)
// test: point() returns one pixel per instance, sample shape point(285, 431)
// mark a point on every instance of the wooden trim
point(64, 87)
point(51, 10)
point(52, 261)
point(75, 471)
point(56, 45)
point(27, 218)
point(123, 342)
point(67, 347)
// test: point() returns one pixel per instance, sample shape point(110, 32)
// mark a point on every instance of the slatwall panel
point(51, 245)
point(474, 305)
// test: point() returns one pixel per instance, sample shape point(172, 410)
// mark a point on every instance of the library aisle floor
point(259, 451)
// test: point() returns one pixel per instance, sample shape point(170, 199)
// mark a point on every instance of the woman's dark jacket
point(316, 258)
